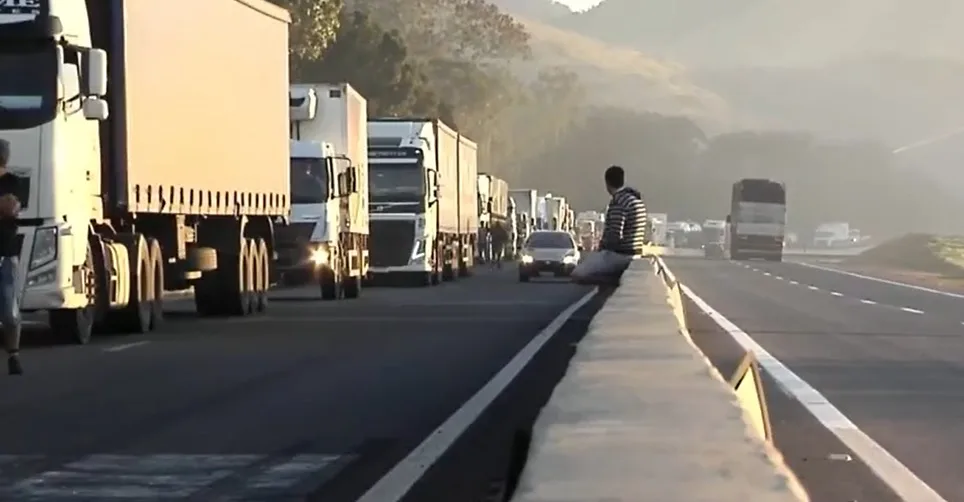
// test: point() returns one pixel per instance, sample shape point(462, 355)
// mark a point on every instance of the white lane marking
point(777, 277)
point(812, 288)
point(868, 302)
point(767, 274)
point(836, 293)
point(169, 477)
point(880, 280)
point(125, 346)
point(911, 311)
point(396, 484)
point(795, 283)
point(891, 471)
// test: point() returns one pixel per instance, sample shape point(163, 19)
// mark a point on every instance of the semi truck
point(526, 209)
point(757, 221)
point(494, 209)
point(556, 211)
point(327, 238)
point(416, 222)
point(123, 196)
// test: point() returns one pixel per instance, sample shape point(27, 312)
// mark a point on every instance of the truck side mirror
point(95, 72)
point(729, 219)
point(95, 109)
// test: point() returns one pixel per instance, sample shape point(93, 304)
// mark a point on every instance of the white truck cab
point(319, 241)
point(404, 198)
point(51, 102)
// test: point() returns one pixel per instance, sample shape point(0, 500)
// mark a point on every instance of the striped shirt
point(627, 225)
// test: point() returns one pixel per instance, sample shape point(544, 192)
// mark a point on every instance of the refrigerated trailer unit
point(141, 171)
point(328, 236)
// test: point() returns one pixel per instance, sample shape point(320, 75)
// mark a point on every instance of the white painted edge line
point(396, 484)
point(891, 471)
point(880, 280)
point(125, 346)
point(911, 311)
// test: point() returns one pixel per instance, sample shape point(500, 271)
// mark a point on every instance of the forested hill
point(539, 120)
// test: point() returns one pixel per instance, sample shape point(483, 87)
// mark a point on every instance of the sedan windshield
point(550, 240)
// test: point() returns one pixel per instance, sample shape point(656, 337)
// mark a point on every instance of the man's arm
point(613, 230)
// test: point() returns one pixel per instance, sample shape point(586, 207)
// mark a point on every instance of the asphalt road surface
point(890, 358)
point(312, 398)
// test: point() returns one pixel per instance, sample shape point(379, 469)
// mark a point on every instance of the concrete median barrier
point(641, 414)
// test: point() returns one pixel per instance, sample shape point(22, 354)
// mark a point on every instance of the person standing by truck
point(9, 261)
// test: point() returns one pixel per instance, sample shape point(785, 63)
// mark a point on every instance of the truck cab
point(51, 103)
point(404, 199)
point(318, 242)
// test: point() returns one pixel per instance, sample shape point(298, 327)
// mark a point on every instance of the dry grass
point(929, 254)
point(624, 77)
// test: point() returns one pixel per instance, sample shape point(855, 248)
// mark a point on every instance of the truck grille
point(390, 242)
point(291, 243)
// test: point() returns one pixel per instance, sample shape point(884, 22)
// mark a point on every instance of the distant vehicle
point(834, 234)
point(658, 224)
point(714, 238)
point(548, 251)
point(757, 220)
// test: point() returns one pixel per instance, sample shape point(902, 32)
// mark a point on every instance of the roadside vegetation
point(930, 254)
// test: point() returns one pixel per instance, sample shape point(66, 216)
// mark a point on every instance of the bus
point(756, 224)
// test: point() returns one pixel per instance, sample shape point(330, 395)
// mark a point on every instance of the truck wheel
point(136, 316)
point(157, 283)
point(263, 282)
point(72, 325)
point(351, 285)
point(328, 283)
point(249, 283)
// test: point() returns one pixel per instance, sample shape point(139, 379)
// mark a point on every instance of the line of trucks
point(140, 176)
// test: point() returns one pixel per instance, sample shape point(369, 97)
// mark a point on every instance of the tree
point(463, 30)
point(313, 26)
point(376, 62)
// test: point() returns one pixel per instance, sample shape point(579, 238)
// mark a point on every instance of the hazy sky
point(579, 4)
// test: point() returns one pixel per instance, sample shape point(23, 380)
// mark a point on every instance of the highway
point(890, 358)
point(312, 398)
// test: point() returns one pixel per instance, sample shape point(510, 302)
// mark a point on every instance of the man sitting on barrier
point(624, 235)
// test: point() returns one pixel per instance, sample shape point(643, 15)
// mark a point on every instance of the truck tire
point(219, 293)
point(263, 283)
point(351, 285)
point(157, 283)
point(76, 326)
point(136, 316)
point(249, 283)
point(328, 282)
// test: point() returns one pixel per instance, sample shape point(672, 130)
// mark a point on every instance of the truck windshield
point(309, 181)
point(396, 182)
point(28, 89)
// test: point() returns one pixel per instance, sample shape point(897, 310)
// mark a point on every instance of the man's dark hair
point(615, 177)
point(4, 152)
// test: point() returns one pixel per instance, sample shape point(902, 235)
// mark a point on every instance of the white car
point(548, 251)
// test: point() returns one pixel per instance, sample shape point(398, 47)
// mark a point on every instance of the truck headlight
point(526, 258)
point(319, 255)
point(44, 248)
point(570, 259)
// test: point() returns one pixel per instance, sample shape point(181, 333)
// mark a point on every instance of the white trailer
point(145, 175)
point(328, 235)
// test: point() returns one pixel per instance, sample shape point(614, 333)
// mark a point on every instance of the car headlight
point(44, 248)
point(570, 259)
point(319, 255)
point(526, 258)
